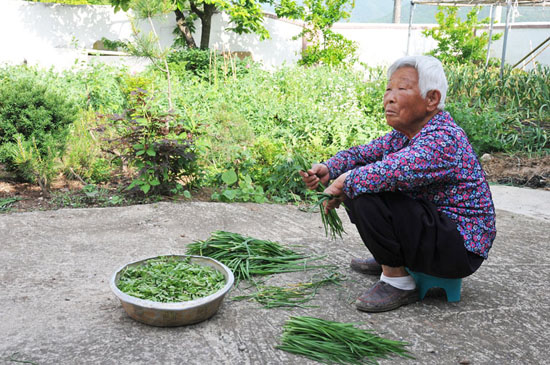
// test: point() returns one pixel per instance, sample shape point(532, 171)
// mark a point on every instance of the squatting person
point(418, 195)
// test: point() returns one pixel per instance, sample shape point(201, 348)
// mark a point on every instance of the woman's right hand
point(318, 173)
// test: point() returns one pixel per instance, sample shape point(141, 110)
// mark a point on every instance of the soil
point(522, 171)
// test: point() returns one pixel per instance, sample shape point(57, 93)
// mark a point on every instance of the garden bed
point(522, 171)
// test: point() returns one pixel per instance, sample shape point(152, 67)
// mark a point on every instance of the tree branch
point(196, 10)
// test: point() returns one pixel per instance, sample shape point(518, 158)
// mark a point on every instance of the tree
point(245, 15)
point(325, 45)
point(459, 41)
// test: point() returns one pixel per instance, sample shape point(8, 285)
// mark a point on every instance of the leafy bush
point(335, 50)
point(459, 41)
point(98, 86)
point(207, 65)
point(159, 145)
point(84, 156)
point(32, 165)
point(37, 114)
point(326, 47)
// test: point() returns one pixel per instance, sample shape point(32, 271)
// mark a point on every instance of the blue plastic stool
point(424, 282)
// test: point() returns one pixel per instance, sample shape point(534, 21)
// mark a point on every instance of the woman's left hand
point(336, 189)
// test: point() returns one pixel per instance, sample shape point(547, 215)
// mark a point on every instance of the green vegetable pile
point(331, 220)
point(291, 296)
point(169, 280)
point(247, 256)
point(336, 342)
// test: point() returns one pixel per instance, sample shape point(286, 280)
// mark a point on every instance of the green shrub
point(30, 164)
point(84, 156)
point(35, 112)
point(207, 64)
point(159, 145)
point(335, 50)
point(98, 86)
point(459, 41)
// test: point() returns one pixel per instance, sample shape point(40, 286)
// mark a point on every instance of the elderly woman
point(418, 195)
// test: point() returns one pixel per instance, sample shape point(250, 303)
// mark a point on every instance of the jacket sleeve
point(427, 160)
point(357, 156)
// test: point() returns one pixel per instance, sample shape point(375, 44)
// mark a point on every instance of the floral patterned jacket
point(438, 164)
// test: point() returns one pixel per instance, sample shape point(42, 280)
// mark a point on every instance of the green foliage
point(208, 65)
point(246, 16)
point(239, 189)
point(326, 47)
point(158, 144)
point(33, 165)
point(115, 45)
point(84, 156)
point(73, 2)
point(459, 41)
point(501, 114)
point(7, 203)
point(96, 87)
point(335, 50)
point(32, 112)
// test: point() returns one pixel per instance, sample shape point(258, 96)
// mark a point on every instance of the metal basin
point(174, 314)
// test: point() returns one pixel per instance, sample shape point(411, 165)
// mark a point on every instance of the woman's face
point(406, 110)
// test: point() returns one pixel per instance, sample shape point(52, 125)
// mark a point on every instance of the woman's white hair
point(430, 74)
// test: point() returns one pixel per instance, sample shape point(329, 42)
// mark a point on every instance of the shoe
point(384, 297)
point(366, 266)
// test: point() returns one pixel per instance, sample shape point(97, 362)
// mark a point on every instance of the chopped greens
point(169, 280)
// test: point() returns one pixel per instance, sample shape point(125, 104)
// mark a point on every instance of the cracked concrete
point(57, 307)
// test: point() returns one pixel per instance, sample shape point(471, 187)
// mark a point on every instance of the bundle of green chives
point(336, 342)
point(331, 221)
point(291, 296)
point(247, 256)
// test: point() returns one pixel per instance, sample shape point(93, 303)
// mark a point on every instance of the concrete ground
point(57, 307)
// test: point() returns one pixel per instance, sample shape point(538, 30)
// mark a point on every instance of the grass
point(7, 203)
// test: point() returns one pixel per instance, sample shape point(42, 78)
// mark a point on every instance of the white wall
point(56, 35)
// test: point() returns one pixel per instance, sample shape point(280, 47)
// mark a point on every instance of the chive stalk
point(331, 221)
point(294, 295)
point(337, 342)
point(248, 257)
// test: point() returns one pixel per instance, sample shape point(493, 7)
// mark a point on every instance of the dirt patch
point(532, 172)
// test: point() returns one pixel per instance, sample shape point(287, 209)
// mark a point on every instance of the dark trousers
point(401, 231)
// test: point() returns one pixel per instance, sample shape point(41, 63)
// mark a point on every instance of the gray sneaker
point(366, 266)
point(384, 297)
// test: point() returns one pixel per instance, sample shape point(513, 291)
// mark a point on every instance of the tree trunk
point(205, 16)
point(180, 21)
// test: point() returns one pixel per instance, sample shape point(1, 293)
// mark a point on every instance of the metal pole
point(397, 11)
point(490, 35)
point(508, 6)
point(533, 51)
point(411, 12)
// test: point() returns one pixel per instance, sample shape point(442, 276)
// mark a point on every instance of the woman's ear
point(433, 97)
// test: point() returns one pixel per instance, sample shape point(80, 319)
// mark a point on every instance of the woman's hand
point(336, 189)
point(318, 173)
